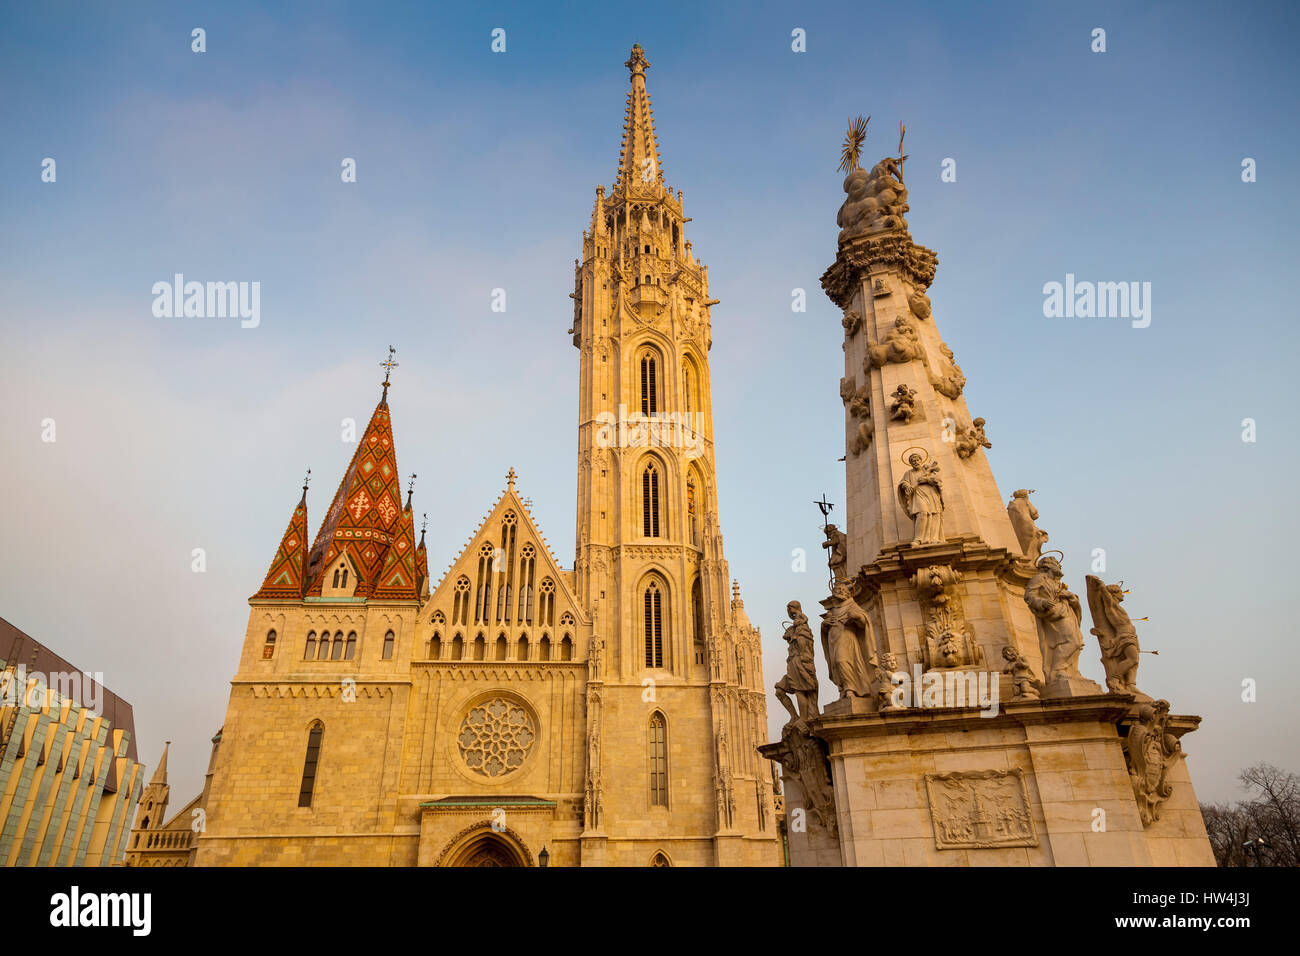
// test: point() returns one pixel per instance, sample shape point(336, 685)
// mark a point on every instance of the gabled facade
point(516, 712)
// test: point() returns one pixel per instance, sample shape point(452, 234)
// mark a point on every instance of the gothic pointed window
point(544, 648)
point(480, 645)
point(658, 734)
point(435, 647)
point(309, 768)
point(460, 602)
point(546, 603)
point(324, 653)
point(336, 650)
point(501, 647)
point(311, 646)
point(457, 647)
point(268, 649)
point(337, 572)
point(690, 512)
point(688, 388)
point(521, 648)
point(697, 619)
point(649, 381)
point(653, 625)
point(566, 648)
point(660, 860)
point(390, 644)
point(345, 578)
point(650, 505)
point(350, 649)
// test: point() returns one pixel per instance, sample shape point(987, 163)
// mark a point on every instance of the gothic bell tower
point(675, 707)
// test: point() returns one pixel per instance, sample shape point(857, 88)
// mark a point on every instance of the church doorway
point(487, 849)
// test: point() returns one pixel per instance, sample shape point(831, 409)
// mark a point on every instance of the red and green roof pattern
point(366, 521)
point(285, 577)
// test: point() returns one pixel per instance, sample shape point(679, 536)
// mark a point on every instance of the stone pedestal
point(1042, 783)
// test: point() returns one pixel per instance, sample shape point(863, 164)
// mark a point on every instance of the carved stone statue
point(847, 387)
point(1117, 636)
point(1023, 514)
point(803, 760)
point(882, 686)
point(800, 666)
point(1025, 685)
point(846, 631)
point(970, 438)
point(1151, 751)
point(950, 381)
point(901, 344)
point(860, 406)
point(920, 492)
point(1057, 611)
point(902, 404)
point(875, 201)
point(838, 544)
point(851, 322)
point(919, 303)
point(861, 439)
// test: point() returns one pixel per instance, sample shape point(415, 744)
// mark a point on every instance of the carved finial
point(853, 140)
point(510, 479)
point(388, 367)
point(637, 62)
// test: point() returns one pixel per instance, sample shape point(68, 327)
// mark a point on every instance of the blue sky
point(477, 171)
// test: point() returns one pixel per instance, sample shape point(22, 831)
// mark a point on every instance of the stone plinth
point(1042, 783)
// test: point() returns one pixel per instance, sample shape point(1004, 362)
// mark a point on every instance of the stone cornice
point(856, 256)
point(901, 561)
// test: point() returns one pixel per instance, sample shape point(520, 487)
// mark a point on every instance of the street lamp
point(1255, 849)
point(543, 858)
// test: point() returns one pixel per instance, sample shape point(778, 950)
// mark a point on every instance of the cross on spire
point(388, 367)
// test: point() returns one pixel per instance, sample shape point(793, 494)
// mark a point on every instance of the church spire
point(286, 577)
point(366, 521)
point(160, 775)
point(638, 161)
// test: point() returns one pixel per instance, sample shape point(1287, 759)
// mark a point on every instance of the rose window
point(495, 737)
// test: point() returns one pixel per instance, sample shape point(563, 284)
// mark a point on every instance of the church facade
point(516, 712)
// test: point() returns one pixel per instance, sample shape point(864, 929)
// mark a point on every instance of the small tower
point(152, 809)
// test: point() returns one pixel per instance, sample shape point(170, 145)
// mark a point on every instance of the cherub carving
point(1025, 684)
point(950, 381)
point(970, 438)
point(851, 322)
point(902, 405)
point(902, 344)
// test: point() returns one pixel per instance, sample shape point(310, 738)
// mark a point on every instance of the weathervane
point(424, 523)
point(853, 141)
point(306, 481)
point(410, 490)
point(388, 367)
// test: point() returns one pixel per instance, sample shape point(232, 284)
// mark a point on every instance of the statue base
point(1040, 783)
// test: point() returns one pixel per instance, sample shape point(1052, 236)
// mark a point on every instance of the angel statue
point(1117, 636)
